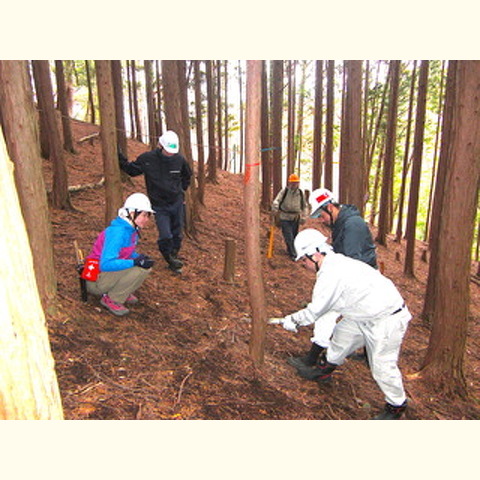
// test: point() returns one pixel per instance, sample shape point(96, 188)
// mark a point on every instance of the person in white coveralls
point(374, 315)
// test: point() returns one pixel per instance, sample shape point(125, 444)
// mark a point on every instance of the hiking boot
point(392, 412)
point(132, 299)
point(308, 360)
point(318, 373)
point(173, 263)
point(116, 308)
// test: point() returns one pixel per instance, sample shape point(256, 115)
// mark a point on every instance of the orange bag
point(91, 270)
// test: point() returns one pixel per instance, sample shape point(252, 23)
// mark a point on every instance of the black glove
point(122, 159)
point(143, 261)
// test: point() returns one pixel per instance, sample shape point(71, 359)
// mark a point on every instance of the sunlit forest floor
point(183, 351)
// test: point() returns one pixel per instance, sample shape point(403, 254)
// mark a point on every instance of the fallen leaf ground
point(183, 351)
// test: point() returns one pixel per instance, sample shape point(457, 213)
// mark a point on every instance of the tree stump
point(229, 266)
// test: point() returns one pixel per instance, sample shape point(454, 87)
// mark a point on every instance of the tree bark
point(63, 107)
point(108, 133)
point(266, 151)
point(152, 134)
point(28, 383)
point(117, 82)
point(329, 125)
point(90, 92)
point(199, 128)
point(416, 169)
point(252, 212)
point(136, 112)
point(386, 199)
point(18, 114)
point(443, 364)
point(277, 113)
point(219, 114)
point(291, 118)
point(212, 150)
point(317, 126)
point(60, 195)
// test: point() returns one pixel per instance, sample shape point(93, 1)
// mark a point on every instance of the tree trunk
point(291, 117)
point(252, 212)
point(401, 199)
point(443, 167)
point(130, 100)
point(63, 107)
point(18, 116)
point(227, 155)
point(60, 195)
point(351, 163)
point(265, 145)
point(136, 112)
point(317, 126)
point(108, 133)
point(28, 384)
point(416, 169)
point(90, 92)
point(212, 151)
point(443, 364)
point(329, 125)
point(199, 128)
point(386, 199)
point(301, 103)
point(277, 112)
point(158, 107)
point(219, 115)
point(152, 134)
point(119, 106)
point(242, 132)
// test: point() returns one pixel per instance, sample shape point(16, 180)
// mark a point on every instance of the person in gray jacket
point(351, 237)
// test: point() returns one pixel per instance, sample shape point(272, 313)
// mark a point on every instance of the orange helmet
point(293, 177)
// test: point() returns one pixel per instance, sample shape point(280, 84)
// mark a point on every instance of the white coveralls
point(374, 316)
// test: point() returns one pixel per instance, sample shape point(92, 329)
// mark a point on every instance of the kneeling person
point(120, 269)
point(374, 316)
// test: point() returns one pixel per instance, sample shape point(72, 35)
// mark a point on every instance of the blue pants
point(170, 219)
point(289, 231)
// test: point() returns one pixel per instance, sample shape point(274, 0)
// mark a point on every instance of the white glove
point(286, 322)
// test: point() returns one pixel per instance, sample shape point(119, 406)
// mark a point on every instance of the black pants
point(169, 220)
point(289, 231)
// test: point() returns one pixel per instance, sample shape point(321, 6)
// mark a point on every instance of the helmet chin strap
point(310, 257)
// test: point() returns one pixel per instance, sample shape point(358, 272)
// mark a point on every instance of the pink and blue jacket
point(115, 246)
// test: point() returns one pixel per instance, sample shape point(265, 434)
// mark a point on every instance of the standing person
point(373, 312)
point(167, 176)
point(351, 237)
point(292, 208)
point(113, 269)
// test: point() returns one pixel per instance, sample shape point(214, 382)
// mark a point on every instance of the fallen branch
point(179, 396)
point(89, 137)
point(77, 188)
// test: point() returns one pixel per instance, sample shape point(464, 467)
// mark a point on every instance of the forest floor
point(183, 351)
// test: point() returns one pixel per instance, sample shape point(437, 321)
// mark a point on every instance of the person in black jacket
point(351, 237)
point(167, 176)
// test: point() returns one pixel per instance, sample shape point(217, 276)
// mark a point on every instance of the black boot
point(392, 412)
point(309, 360)
point(173, 263)
point(319, 373)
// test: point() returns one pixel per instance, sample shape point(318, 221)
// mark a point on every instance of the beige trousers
point(120, 284)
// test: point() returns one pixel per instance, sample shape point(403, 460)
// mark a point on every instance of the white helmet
point(319, 199)
point(310, 241)
point(169, 141)
point(138, 202)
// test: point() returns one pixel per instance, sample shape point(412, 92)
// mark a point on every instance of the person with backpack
point(374, 316)
point(113, 269)
point(292, 210)
point(351, 237)
point(167, 177)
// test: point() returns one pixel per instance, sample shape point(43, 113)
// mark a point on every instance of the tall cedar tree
point(443, 365)
point(212, 150)
point(317, 126)
point(277, 111)
point(401, 198)
point(152, 134)
point(351, 161)
point(199, 130)
point(91, 102)
point(63, 106)
point(242, 121)
point(158, 101)
point(386, 200)
point(252, 212)
point(220, 154)
point(117, 81)
point(108, 133)
point(18, 116)
point(291, 117)
point(28, 383)
point(438, 199)
point(301, 104)
point(60, 194)
point(226, 127)
point(416, 168)
point(136, 109)
point(266, 151)
point(329, 125)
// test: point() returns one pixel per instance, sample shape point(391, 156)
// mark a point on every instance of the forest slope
point(182, 353)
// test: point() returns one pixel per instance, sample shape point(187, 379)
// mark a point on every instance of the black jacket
point(166, 178)
point(351, 236)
